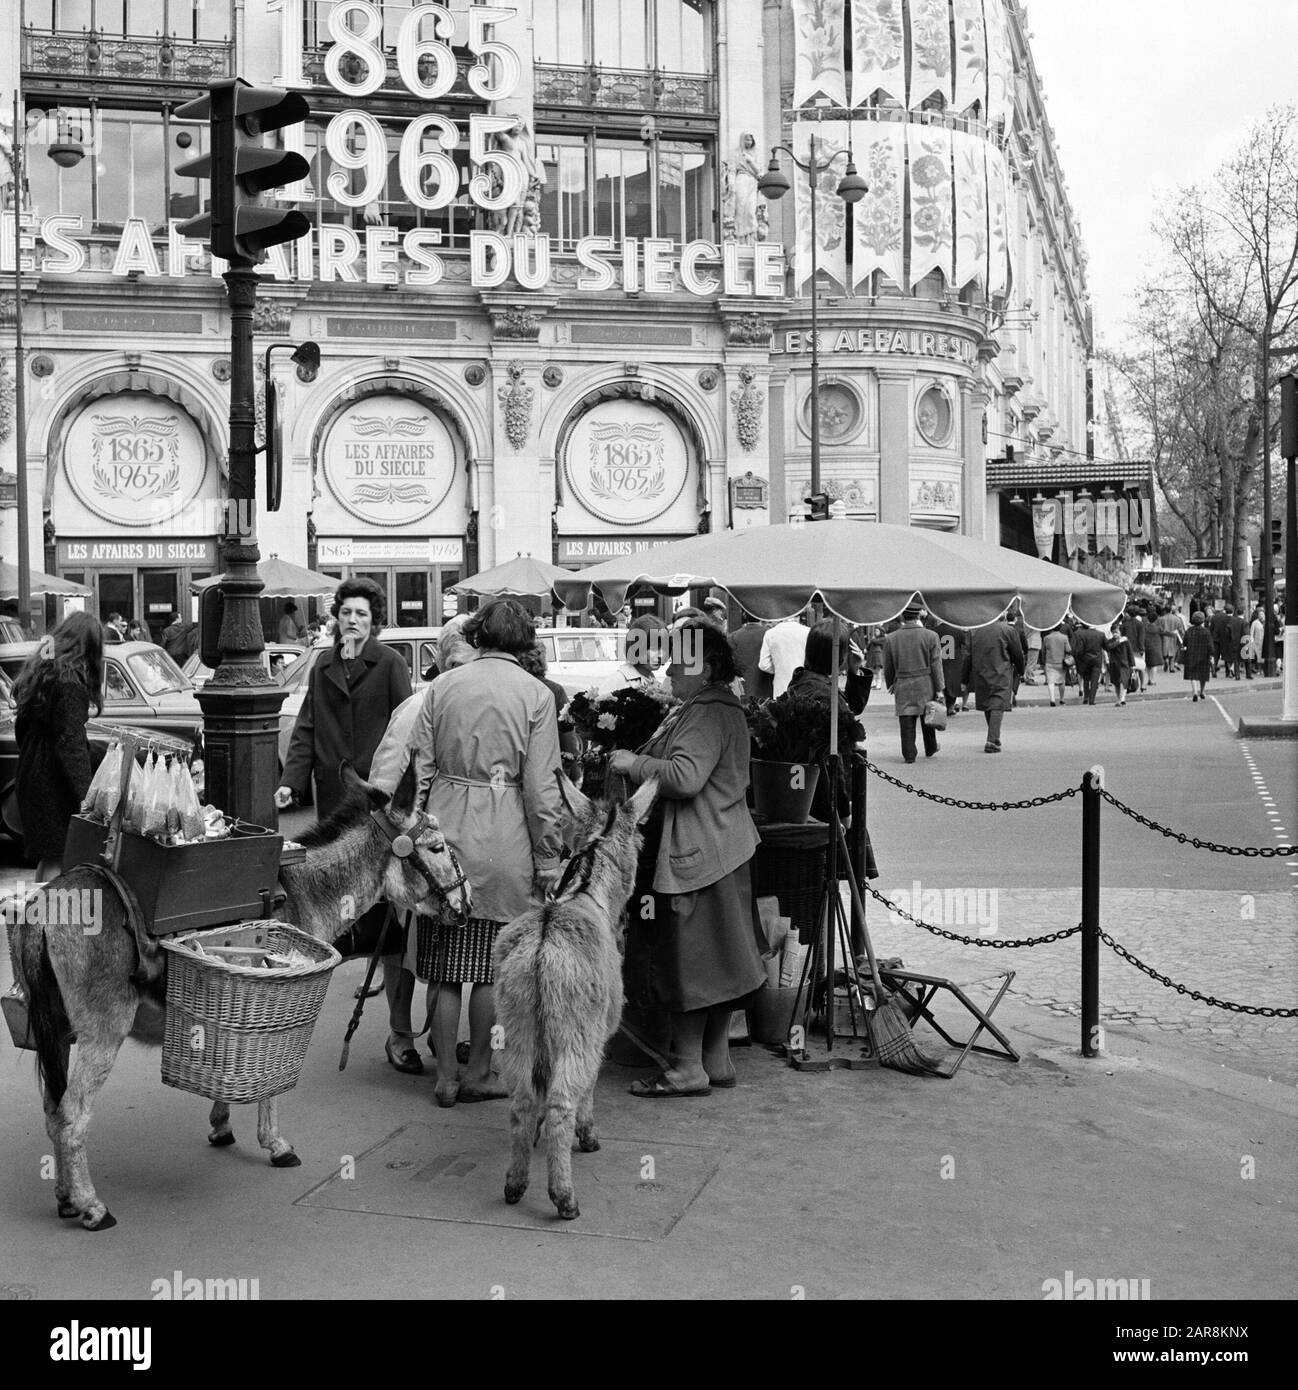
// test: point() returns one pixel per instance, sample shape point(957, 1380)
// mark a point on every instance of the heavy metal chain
point(996, 945)
point(1248, 851)
point(963, 805)
point(1258, 1012)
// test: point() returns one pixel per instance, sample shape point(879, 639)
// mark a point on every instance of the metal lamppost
point(66, 152)
point(1289, 448)
point(851, 188)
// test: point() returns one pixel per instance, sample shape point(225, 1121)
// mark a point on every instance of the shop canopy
point(865, 572)
point(41, 584)
point(282, 580)
point(522, 577)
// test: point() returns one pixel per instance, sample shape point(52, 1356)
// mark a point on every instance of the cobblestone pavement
point(1233, 947)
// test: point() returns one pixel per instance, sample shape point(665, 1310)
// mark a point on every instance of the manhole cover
point(629, 1190)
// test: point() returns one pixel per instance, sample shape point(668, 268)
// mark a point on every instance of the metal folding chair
point(924, 991)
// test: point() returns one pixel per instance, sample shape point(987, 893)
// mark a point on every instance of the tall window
point(133, 160)
point(183, 19)
point(596, 185)
point(675, 35)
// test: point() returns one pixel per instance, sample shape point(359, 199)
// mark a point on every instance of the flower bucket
point(783, 792)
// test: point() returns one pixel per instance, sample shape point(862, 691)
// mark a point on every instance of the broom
point(889, 1030)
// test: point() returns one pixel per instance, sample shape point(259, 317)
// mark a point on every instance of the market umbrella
point(41, 584)
point(864, 572)
point(522, 577)
point(282, 580)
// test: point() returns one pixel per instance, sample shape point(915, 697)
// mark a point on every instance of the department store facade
point(614, 356)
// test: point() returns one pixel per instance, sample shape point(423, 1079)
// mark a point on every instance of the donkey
point(559, 995)
point(75, 983)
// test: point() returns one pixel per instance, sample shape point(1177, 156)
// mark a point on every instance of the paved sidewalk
point(1166, 687)
point(1153, 1162)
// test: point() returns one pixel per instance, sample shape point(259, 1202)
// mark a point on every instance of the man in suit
point(1234, 656)
point(748, 649)
point(1088, 652)
point(912, 670)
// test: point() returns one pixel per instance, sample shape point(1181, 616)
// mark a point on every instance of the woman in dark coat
point(53, 695)
point(1197, 656)
point(1121, 661)
point(352, 693)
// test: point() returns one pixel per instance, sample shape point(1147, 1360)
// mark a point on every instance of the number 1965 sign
point(356, 66)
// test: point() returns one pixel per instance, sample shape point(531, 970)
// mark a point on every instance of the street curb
point(1254, 687)
point(1268, 728)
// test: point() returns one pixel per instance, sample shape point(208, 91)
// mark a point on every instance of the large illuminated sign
point(504, 179)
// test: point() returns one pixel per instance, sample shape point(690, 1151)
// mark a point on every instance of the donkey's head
point(606, 839)
point(421, 872)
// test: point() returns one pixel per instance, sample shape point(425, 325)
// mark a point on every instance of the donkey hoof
point(588, 1144)
point(104, 1223)
point(568, 1210)
point(514, 1194)
point(286, 1160)
point(67, 1209)
point(220, 1139)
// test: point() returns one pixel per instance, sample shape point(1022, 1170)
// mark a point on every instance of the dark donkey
point(81, 984)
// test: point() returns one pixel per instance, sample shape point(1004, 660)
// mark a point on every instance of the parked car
point(275, 657)
point(144, 689)
point(581, 657)
point(99, 732)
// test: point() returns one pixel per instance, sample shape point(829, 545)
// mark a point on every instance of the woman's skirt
point(705, 947)
point(456, 955)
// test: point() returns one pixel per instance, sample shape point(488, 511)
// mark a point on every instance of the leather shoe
point(407, 1060)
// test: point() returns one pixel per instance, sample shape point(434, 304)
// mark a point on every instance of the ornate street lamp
point(851, 189)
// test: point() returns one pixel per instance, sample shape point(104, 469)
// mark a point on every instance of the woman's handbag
point(1133, 683)
point(935, 714)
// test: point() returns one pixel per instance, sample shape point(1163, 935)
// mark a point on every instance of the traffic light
point(1277, 536)
point(1289, 416)
point(237, 227)
point(819, 503)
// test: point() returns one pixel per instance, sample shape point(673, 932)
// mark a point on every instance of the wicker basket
point(239, 1033)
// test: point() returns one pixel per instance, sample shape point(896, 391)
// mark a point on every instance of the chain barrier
point(1256, 1011)
point(1248, 851)
point(963, 805)
point(971, 940)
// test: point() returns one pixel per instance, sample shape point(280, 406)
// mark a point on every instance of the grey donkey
point(82, 984)
point(559, 994)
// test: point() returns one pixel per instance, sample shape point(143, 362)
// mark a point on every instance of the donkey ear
point(642, 802)
point(575, 801)
point(403, 799)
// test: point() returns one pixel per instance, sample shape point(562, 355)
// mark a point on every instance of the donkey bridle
point(403, 845)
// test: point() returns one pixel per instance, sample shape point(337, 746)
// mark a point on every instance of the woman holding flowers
point(693, 897)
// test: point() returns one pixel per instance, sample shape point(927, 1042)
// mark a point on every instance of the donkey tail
point(540, 1052)
point(45, 1014)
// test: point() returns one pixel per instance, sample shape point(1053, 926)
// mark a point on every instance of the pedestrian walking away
point(1219, 631)
point(1172, 628)
point(1057, 654)
point(52, 696)
point(784, 649)
point(912, 670)
point(1088, 653)
point(995, 658)
point(1198, 657)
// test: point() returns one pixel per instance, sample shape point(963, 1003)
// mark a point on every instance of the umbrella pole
point(832, 902)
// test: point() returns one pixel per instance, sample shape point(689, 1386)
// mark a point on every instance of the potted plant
point(790, 736)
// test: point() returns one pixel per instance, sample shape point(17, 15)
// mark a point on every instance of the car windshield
point(587, 647)
point(292, 672)
point(156, 673)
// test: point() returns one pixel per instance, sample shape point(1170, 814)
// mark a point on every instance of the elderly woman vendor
point(693, 895)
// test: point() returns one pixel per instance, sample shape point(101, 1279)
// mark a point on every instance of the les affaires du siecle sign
point(504, 179)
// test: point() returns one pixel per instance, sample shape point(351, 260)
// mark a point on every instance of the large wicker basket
point(239, 1033)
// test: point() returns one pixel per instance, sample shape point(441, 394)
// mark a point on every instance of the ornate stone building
point(555, 316)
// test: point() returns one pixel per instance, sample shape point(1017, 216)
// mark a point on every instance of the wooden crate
point(184, 887)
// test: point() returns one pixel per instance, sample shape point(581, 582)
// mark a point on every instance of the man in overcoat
point(996, 660)
point(912, 670)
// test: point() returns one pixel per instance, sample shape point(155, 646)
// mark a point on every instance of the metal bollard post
point(1092, 781)
point(856, 847)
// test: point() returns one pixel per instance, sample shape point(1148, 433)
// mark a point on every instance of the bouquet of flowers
point(794, 728)
point(623, 718)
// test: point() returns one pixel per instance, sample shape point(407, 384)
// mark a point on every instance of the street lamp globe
point(852, 187)
point(773, 184)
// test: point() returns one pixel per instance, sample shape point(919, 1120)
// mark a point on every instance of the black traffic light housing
point(306, 355)
point(211, 611)
point(237, 227)
point(1277, 536)
point(819, 503)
